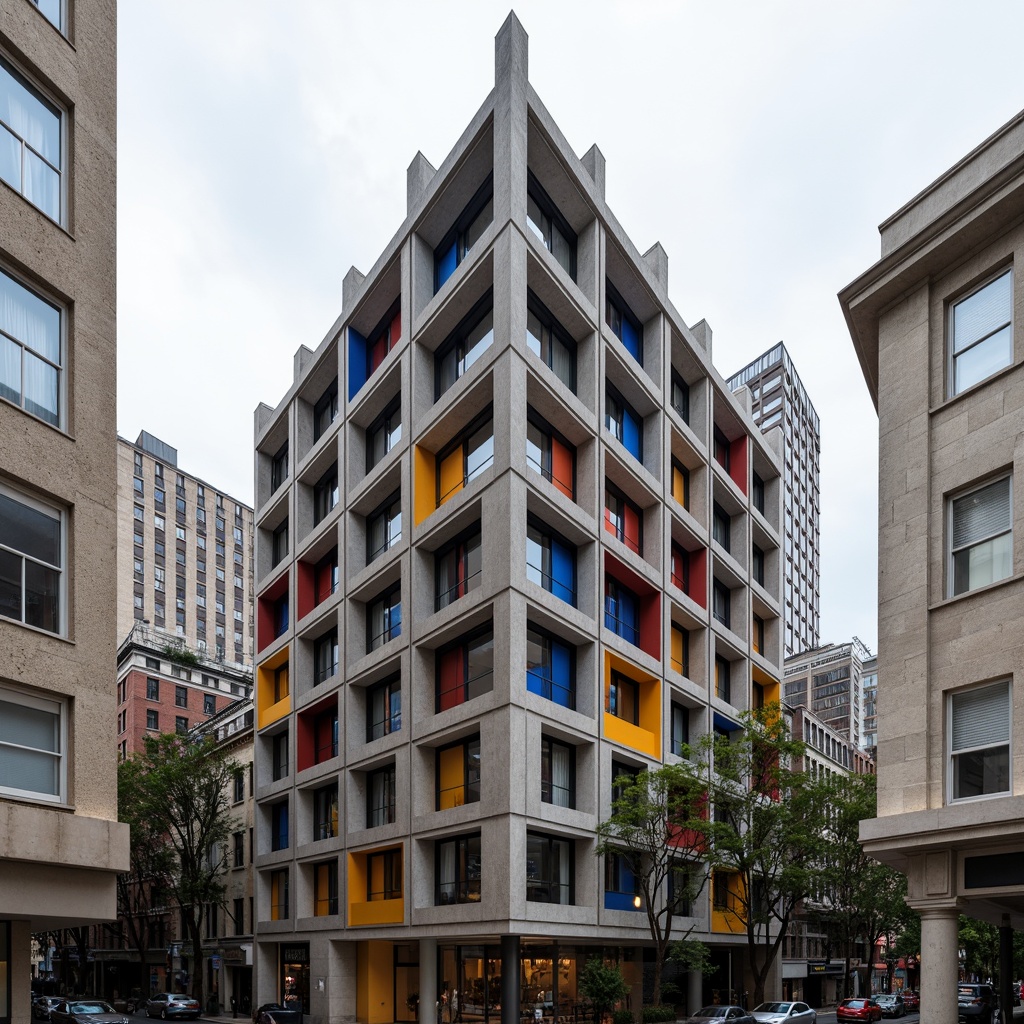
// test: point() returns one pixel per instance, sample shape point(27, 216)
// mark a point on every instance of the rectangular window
point(30, 347)
point(31, 561)
point(209, 703)
point(464, 234)
point(458, 774)
point(550, 455)
point(325, 735)
point(278, 473)
point(981, 333)
point(239, 915)
point(550, 227)
point(279, 545)
point(549, 869)
point(550, 562)
point(458, 568)
point(279, 826)
point(624, 323)
point(325, 889)
point(623, 423)
point(152, 688)
point(680, 737)
point(680, 567)
point(722, 673)
point(464, 670)
point(721, 601)
point(620, 888)
point(384, 433)
point(279, 895)
point(383, 709)
point(557, 773)
point(238, 843)
point(623, 519)
point(325, 812)
point(621, 611)
point(680, 654)
point(31, 144)
point(380, 797)
point(464, 346)
point(181, 697)
point(279, 762)
point(325, 411)
point(981, 536)
point(153, 719)
point(383, 527)
point(326, 576)
point(550, 667)
point(720, 449)
point(384, 618)
point(979, 729)
point(181, 725)
point(384, 875)
point(757, 564)
point(238, 787)
point(757, 492)
point(462, 462)
point(757, 634)
point(325, 495)
point(52, 11)
point(384, 338)
point(325, 657)
point(680, 484)
point(550, 342)
point(680, 396)
point(457, 870)
point(623, 698)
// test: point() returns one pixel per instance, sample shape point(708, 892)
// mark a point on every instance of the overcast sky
point(263, 149)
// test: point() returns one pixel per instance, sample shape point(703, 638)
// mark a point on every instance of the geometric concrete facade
point(61, 846)
point(936, 325)
point(514, 536)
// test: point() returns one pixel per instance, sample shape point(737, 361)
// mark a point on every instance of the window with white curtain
point(31, 562)
point(33, 739)
point(31, 144)
point(30, 351)
point(979, 732)
point(549, 869)
point(980, 534)
point(457, 866)
point(557, 774)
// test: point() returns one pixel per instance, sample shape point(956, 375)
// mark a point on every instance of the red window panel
point(562, 468)
point(451, 689)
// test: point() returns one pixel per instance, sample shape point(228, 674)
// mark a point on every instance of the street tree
point(653, 826)
point(603, 984)
point(180, 785)
point(764, 837)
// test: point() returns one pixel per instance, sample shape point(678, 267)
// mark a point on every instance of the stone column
point(694, 991)
point(939, 965)
point(428, 981)
point(510, 995)
point(1006, 971)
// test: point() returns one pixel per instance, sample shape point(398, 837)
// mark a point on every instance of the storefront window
point(407, 982)
point(295, 976)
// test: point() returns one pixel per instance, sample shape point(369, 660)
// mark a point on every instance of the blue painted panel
point(631, 435)
point(356, 362)
point(631, 339)
point(563, 572)
point(561, 674)
point(446, 265)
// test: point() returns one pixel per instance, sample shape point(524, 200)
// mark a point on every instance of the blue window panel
point(618, 901)
point(631, 339)
point(611, 613)
point(446, 266)
point(356, 362)
point(563, 572)
point(538, 681)
point(561, 673)
point(631, 435)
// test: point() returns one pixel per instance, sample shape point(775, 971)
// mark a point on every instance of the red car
point(911, 1000)
point(861, 1009)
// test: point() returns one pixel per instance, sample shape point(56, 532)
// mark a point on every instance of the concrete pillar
point(428, 981)
point(694, 991)
point(939, 965)
point(510, 995)
point(1006, 970)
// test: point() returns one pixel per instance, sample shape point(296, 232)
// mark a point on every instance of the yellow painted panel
point(629, 735)
point(726, 921)
point(362, 980)
point(451, 776)
point(274, 712)
point(678, 487)
point(376, 912)
point(375, 1003)
point(424, 484)
point(677, 648)
point(268, 707)
point(451, 476)
point(645, 737)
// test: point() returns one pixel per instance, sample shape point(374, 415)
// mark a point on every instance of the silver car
point(784, 1013)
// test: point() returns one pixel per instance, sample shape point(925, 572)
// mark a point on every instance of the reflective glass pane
point(42, 597)
point(29, 530)
point(42, 185)
point(10, 585)
point(983, 359)
point(10, 370)
point(40, 389)
point(25, 316)
point(10, 158)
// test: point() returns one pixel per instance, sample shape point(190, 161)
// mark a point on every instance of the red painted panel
point(450, 679)
point(699, 577)
point(650, 624)
point(396, 328)
point(738, 462)
point(631, 529)
point(562, 468)
point(304, 586)
point(265, 611)
point(305, 748)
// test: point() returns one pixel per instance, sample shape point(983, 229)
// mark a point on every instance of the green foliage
point(656, 1014)
point(602, 984)
point(692, 955)
point(980, 942)
point(623, 1017)
point(182, 655)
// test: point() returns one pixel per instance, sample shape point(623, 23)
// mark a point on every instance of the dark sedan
point(85, 1011)
point(719, 1015)
point(42, 1005)
point(168, 1005)
point(275, 1013)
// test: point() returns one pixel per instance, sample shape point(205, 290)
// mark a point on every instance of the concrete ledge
point(61, 839)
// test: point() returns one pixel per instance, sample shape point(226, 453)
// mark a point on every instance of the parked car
point(42, 1005)
point(732, 1014)
point(911, 1000)
point(85, 1011)
point(169, 1005)
point(892, 1005)
point(862, 1009)
point(976, 1004)
point(784, 1013)
point(275, 1013)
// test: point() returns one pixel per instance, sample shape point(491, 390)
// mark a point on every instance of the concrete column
point(510, 979)
point(1006, 971)
point(428, 981)
point(694, 991)
point(939, 965)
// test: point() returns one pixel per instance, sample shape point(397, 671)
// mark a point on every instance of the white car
point(784, 1013)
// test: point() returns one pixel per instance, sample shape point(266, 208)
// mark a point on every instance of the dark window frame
point(547, 638)
point(462, 440)
point(543, 883)
point(533, 522)
point(470, 786)
point(613, 300)
point(461, 547)
point(385, 727)
point(720, 592)
point(329, 403)
point(463, 644)
point(618, 681)
point(620, 514)
point(383, 327)
point(456, 340)
point(390, 633)
point(466, 847)
point(546, 467)
point(612, 392)
point(551, 323)
point(384, 423)
point(392, 501)
point(683, 405)
point(536, 191)
point(547, 745)
point(326, 494)
point(384, 813)
point(456, 234)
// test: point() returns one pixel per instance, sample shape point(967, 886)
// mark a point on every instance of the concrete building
point(60, 844)
point(778, 399)
point(514, 536)
point(185, 555)
point(829, 681)
point(934, 326)
point(869, 686)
